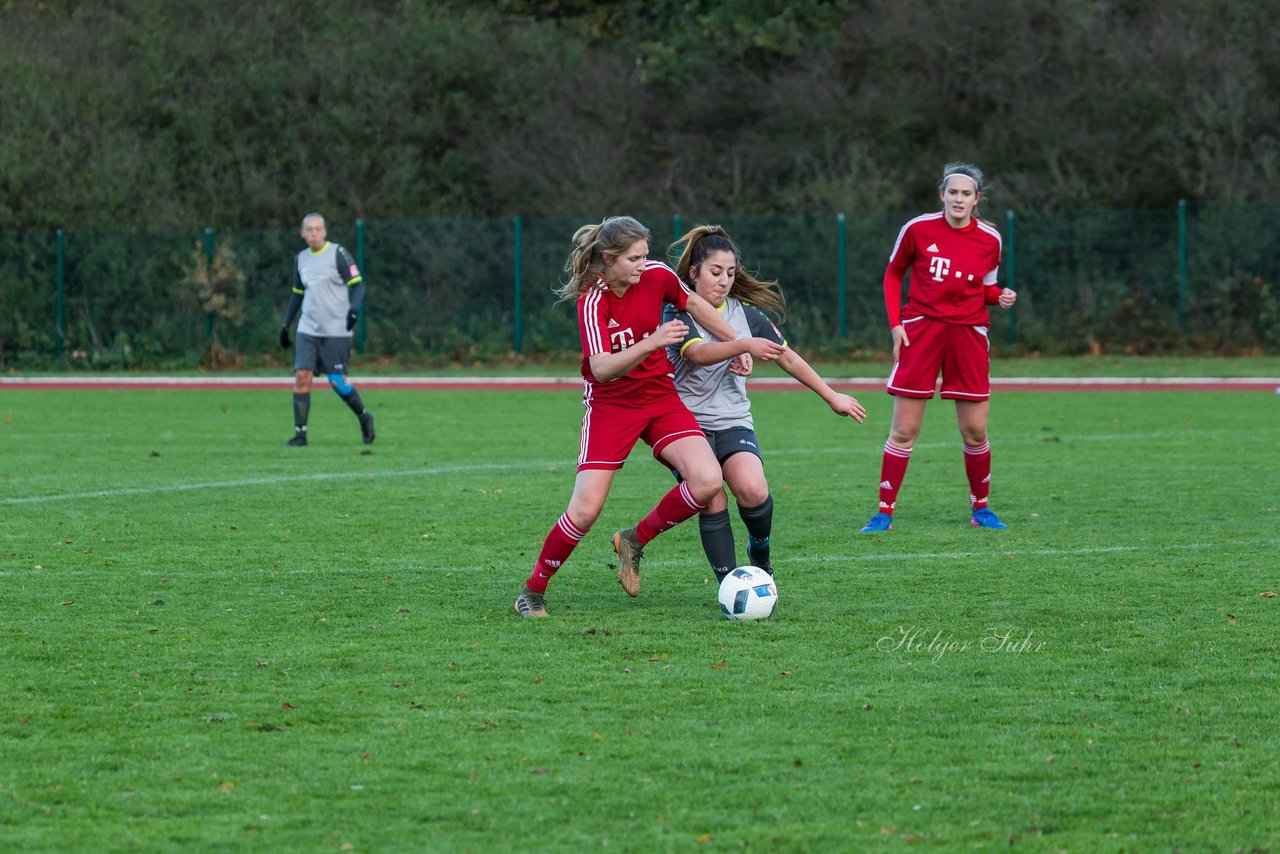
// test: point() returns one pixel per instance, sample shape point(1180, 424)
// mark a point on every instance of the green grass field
point(212, 642)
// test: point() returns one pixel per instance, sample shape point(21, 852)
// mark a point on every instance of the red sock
point(977, 465)
point(676, 506)
point(559, 544)
point(893, 467)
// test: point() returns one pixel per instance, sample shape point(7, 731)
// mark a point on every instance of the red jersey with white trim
point(610, 323)
point(953, 270)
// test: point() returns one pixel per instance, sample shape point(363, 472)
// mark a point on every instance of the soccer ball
point(748, 593)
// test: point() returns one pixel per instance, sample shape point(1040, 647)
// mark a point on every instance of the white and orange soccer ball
point(748, 593)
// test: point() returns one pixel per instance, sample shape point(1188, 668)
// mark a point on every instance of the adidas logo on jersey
point(933, 247)
point(613, 324)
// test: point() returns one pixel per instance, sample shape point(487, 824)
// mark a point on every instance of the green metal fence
point(1201, 279)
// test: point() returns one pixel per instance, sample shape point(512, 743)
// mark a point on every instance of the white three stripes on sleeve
point(590, 312)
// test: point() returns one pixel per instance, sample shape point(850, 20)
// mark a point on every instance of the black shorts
point(733, 440)
point(322, 355)
point(725, 443)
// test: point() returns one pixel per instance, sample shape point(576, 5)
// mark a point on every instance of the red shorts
point(961, 353)
point(610, 431)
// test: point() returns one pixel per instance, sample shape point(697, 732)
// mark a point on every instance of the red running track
point(859, 384)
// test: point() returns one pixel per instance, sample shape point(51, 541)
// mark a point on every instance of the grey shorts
point(321, 355)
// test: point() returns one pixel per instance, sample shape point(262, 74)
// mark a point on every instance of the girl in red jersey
point(629, 395)
point(954, 258)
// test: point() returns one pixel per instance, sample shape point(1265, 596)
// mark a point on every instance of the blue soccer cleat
point(984, 518)
point(877, 523)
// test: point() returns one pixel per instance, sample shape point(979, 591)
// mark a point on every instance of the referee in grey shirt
point(328, 288)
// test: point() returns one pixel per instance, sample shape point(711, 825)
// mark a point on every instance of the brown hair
point(590, 244)
point(700, 242)
point(966, 170)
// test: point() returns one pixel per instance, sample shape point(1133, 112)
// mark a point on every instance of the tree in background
point(160, 114)
point(218, 289)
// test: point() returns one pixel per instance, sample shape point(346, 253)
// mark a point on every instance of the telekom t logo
point(939, 266)
point(621, 340)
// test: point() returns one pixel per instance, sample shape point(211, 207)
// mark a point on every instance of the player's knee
point(339, 383)
point(703, 485)
point(583, 518)
point(903, 438)
point(717, 503)
point(751, 494)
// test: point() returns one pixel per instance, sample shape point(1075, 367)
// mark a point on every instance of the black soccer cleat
point(758, 554)
point(366, 427)
point(299, 440)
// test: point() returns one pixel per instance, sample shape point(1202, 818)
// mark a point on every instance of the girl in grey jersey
point(717, 395)
point(328, 289)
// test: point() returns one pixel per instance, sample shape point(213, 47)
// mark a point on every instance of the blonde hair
point(591, 243)
point(700, 242)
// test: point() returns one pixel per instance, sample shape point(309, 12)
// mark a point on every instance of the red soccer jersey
point(953, 270)
point(609, 323)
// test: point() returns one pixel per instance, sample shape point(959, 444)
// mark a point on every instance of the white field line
point(991, 554)
point(845, 557)
point(886, 557)
point(272, 481)
point(997, 553)
point(568, 463)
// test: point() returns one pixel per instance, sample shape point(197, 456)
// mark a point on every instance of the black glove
point(352, 315)
point(284, 338)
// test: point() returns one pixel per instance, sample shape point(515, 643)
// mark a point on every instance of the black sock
point(301, 410)
point(759, 521)
point(353, 400)
point(717, 542)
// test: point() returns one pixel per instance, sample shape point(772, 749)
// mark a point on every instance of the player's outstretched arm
point(703, 353)
point(708, 318)
point(752, 348)
point(841, 404)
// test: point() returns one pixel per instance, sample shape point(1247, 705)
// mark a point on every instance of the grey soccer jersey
point(324, 279)
point(716, 397)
